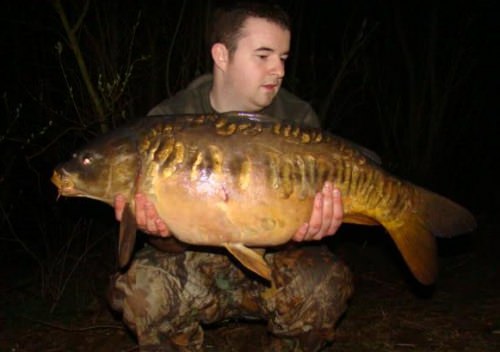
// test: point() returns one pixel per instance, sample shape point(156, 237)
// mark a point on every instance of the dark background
point(416, 81)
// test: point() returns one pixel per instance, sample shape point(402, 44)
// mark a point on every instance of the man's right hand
point(146, 217)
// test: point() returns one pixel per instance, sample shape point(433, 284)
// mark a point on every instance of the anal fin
point(360, 219)
point(250, 258)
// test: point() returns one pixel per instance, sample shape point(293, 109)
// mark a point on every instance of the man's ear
point(220, 55)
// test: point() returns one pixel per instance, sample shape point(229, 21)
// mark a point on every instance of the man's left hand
point(326, 217)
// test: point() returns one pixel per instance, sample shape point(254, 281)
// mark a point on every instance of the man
point(165, 297)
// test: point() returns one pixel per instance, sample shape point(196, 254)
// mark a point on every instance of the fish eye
point(86, 159)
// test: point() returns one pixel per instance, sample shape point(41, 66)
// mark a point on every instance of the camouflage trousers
point(164, 298)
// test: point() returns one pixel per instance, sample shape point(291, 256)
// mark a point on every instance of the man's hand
point(326, 217)
point(146, 217)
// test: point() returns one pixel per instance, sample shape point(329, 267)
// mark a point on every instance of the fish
point(246, 182)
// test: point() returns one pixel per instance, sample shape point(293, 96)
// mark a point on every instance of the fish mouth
point(65, 186)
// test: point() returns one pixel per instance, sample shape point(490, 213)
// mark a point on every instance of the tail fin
point(418, 248)
point(431, 215)
point(441, 216)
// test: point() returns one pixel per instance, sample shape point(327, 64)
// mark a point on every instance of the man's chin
point(264, 102)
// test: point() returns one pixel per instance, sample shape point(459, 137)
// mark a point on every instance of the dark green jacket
point(195, 99)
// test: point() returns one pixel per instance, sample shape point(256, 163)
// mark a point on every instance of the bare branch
point(73, 42)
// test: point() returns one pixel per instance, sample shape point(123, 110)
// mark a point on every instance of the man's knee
point(163, 297)
point(151, 297)
point(311, 293)
point(314, 273)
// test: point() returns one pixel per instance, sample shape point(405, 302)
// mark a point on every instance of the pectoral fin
point(126, 240)
point(250, 258)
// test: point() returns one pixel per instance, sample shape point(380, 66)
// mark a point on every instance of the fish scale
point(247, 182)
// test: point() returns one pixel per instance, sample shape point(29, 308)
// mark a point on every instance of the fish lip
point(65, 186)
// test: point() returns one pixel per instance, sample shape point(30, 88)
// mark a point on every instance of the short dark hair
point(228, 21)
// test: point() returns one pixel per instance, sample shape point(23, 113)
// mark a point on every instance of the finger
point(338, 212)
point(151, 217)
point(162, 228)
point(140, 210)
point(316, 217)
point(301, 232)
point(119, 206)
point(327, 212)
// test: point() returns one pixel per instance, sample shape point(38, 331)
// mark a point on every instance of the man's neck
point(214, 103)
point(222, 100)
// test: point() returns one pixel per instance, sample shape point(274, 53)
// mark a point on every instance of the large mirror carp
point(247, 182)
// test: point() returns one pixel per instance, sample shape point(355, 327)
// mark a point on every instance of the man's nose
point(278, 68)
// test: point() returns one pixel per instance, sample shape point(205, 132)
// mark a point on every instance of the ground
point(389, 311)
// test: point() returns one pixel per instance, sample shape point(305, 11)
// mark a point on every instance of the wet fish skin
point(245, 180)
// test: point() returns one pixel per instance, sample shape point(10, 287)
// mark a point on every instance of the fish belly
point(215, 213)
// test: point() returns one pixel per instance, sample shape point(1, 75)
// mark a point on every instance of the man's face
point(257, 67)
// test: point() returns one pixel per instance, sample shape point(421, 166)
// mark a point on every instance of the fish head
point(102, 169)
